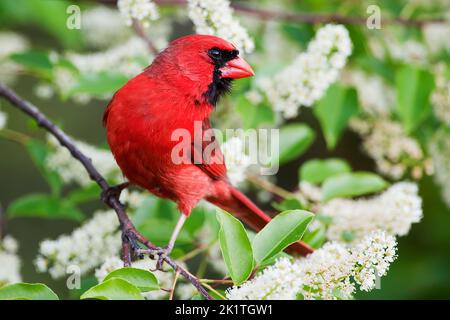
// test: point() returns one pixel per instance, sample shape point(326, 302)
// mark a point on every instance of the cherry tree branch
point(139, 30)
point(312, 18)
point(129, 232)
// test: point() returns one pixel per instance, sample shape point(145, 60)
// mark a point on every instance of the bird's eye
point(215, 54)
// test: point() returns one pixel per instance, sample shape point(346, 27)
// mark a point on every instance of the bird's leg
point(165, 251)
point(114, 191)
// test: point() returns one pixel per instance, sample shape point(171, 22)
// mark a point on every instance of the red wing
point(207, 155)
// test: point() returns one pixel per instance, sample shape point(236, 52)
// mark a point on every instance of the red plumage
point(179, 88)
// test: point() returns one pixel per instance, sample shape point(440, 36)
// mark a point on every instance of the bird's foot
point(159, 253)
point(114, 191)
point(162, 254)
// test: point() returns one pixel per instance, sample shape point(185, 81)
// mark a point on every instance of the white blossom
point(331, 272)
point(439, 148)
point(309, 76)
point(71, 170)
point(394, 152)
point(44, 91)
point(215, 17)
point(374, 95)
point(3, 119)
point(393, 211)
point(236, 160)
point(185, 291)
point(132, 198)
point(9, 261)
point(387, 46)
point(144, 11)
point(102, 26)
point(436, 35)
point(123, 58)
point(86, 247)
point(440, 98)
point(10, 42)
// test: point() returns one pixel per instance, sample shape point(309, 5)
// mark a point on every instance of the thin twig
point(217, 281)
point(174, 284)
point(14, 136)
point(195, 252)
point(129, 232)
point(311, 18)
point(215, 291)
point(270, 187)
point(137, 26)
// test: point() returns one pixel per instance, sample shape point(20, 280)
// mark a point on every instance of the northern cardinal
point(180, 87)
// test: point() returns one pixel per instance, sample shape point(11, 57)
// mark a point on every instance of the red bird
point(180, 87)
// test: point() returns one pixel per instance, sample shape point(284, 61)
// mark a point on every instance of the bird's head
point(208, 63)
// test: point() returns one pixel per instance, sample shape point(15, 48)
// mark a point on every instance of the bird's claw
point(162, 254)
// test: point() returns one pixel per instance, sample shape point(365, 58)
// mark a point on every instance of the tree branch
point(272, 14)
point(129, 232)
point(137, 26)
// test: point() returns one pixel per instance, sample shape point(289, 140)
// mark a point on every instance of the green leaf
point(88, 193)
point(315, 238)
point(113, 289)
point(300, 33)
point(143, 279)
point(317, 170)
point(235, 246)
point(285, 229)
point(295, 138)
point(39, 152)
point(44, 206)
point(195, 220)
point(27, 291)
point(98, 83)
point(334, 111)
point(158, 231)
point(254, 116)
point(288, 204)
point(38, 61)
point(414, 87)
point(348, 185)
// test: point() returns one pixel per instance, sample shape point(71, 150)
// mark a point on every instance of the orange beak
point(236, 69)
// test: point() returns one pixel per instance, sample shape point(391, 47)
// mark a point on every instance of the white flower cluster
point(101, 25)
point(128, 58)
point(71, 170)
point(9, 261)
point(215, 17)
point(86, 247)
point(387, 46)
point(439, 148)
point(165, 278)
point(236, 160)
point(144, 11)
point(3, 119)
point(441, 95)
point(331, 272)
point(436, 35)
point(309, 76)
point(394, 152)
point(393, 211)
point(375, 96)
point(121, 58)
point(10, 42)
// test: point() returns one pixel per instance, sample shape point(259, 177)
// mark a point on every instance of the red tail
point(243, 208)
